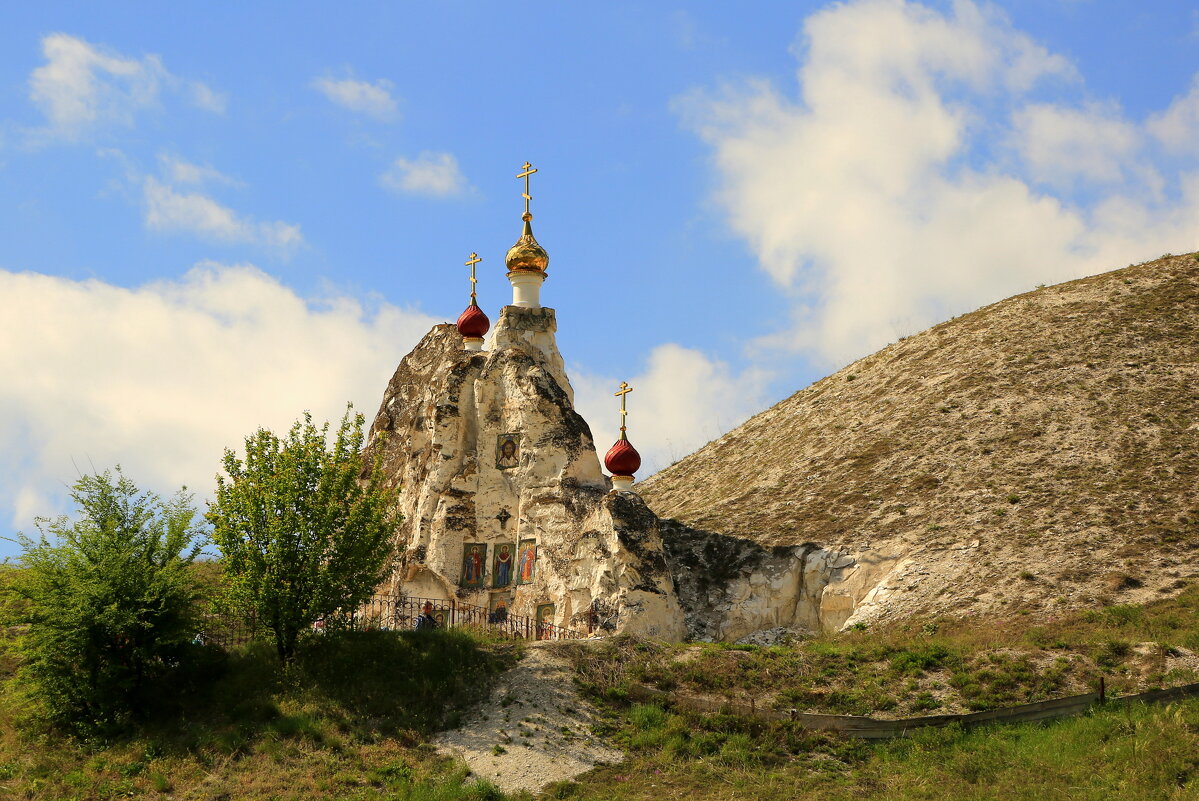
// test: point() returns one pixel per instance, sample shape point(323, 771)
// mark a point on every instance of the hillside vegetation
point(1040, 453)
point(354, 716)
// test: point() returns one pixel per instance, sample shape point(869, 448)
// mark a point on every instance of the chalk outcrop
point(504, 502)
point(1036, 455)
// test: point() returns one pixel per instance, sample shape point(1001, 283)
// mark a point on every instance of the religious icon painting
point(474, 564)
point(526, 561)
point(439, 616)
point(507, 451)
point(503, 565)
point(545, 619)
point(497, 611)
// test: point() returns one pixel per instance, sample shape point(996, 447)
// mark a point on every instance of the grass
point(352, 718)
point(1135, 753)
point(912, 668)
point(348, 720)
point(1127, 751)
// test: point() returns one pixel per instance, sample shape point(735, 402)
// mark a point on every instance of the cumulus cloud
point(180, 171)
point(161, 378)
point(371, 99)
point(680, 401)
point(203, 96)
point(1061, 144)
point(168, 209)
point(1178, 126)
point(884, 197)
point(83, 86)
point(430, 173)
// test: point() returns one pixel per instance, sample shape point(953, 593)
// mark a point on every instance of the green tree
point(305, 530)
point(109, 602)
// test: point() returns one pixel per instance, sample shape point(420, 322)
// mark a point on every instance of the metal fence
point(874, 728)
point(399, 613)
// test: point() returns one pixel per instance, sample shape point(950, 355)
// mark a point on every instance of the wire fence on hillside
point(875, 728)
point(398, 613)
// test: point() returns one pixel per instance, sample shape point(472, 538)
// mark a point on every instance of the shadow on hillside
point(363, 685)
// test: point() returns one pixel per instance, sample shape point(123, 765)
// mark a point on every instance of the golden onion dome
point(527, 256)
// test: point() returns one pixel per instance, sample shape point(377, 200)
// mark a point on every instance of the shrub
point(303, 534)
point(109, 604)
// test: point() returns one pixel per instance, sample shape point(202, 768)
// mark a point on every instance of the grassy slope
point(347, 721)
point(351, 719)
point(911, 668)
point(1135, 752)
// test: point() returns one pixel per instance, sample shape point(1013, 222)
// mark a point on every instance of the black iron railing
point(398, 613)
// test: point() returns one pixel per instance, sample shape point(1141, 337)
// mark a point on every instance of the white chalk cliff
point(490, 459)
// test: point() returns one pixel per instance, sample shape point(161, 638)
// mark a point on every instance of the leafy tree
point(304, 530)
point(109, 602)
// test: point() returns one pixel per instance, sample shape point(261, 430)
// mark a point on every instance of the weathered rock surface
point(485, 450)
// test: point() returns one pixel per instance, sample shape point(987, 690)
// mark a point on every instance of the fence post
point(1102, 690)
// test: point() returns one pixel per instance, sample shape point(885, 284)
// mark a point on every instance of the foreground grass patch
point(346, 720)
point(1134, 753)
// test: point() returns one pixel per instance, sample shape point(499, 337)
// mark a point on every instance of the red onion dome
point(622, 458)
point(473, 322)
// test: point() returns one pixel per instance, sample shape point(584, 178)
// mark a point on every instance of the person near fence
point(426, 621)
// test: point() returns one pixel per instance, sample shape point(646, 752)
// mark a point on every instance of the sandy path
point(533, 730)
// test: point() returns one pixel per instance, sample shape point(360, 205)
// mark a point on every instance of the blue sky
point(213, 217)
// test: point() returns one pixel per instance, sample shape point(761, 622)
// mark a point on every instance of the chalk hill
point(1041, 452)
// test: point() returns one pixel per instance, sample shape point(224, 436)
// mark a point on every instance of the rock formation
point(503, 499)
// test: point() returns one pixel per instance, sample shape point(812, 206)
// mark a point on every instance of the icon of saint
point(527, 559)
point(503, 566)
point(473, 573)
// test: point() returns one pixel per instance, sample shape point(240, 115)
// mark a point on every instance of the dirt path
point(533, 730)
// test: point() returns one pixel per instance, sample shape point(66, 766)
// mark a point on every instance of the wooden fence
point(874, 728)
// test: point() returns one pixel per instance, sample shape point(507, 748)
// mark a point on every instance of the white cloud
point(680, 401)
point(882, 196)
point(82, 86)
point(371, 99)
point(163, 377)
point(170, 210)
point(180, 171)
point(1178, 126)
point(429, 173)
point(203, 96)
point(1062, 144)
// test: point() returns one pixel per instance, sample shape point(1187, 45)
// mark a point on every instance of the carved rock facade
point(501, 491)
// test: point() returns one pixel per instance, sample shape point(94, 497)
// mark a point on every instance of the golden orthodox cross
point(471, 262)
point(529, 169)
point(625, 389)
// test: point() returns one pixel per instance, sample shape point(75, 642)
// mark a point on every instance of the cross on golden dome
point(529, 169)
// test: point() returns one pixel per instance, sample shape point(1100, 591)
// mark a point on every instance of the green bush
point(303, 535)
point(109, 604)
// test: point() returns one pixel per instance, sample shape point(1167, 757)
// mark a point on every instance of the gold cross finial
point(529, 169)
point(471, 262)
point(625, 389)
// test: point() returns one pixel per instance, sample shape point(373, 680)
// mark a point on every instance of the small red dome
point(622, 459)
point(473, 322)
